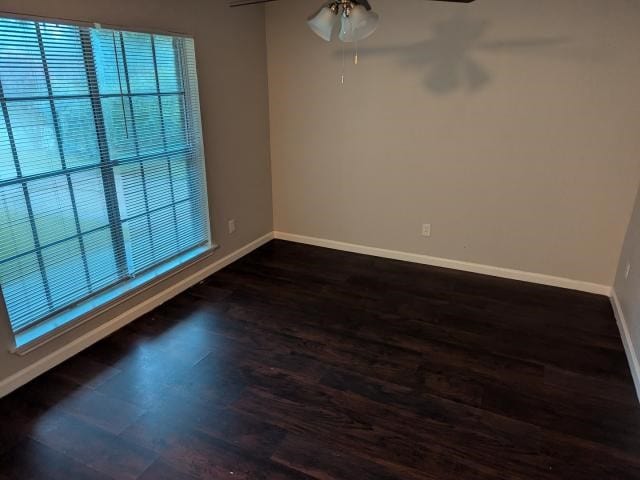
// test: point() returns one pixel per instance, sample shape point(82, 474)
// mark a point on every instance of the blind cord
point(124, 113)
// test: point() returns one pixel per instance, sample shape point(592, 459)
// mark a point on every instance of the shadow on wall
point(448, 55)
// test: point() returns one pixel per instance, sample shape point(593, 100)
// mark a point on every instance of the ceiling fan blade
point(365, 3)
point(242, 3)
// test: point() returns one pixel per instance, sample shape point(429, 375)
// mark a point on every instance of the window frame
point(127, 286)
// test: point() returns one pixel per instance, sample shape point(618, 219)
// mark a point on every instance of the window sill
point(30, 339)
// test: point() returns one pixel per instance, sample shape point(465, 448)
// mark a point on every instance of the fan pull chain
point(355, 57)
point(342, 67)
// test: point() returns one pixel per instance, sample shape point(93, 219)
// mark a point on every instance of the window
point(101, 163)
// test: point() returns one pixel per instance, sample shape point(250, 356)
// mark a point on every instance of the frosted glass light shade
point(359, 25)
point(323, 23)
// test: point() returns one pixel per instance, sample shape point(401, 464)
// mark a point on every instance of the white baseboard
point(453, 264)
point(630, 350)
point(39, 367)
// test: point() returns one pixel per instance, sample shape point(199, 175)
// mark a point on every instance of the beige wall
point(230, 49)
point(511, 126)
point(627, 289)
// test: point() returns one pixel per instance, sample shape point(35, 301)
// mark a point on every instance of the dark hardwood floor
point(299, 362)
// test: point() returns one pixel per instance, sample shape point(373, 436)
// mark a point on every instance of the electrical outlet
point(426, 230)
point(232, 226)
point(627, 271)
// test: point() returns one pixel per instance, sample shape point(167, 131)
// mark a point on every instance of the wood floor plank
point(163, 427)
point(160, 470)
point(325, 461)
point(348, 431)
point(93, 447)
point(32, 460)
point(84, 403)
point(84, 371)
point(204, 457)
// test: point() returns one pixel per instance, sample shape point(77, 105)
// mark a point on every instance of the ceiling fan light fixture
point(357, 24)
point(323, 23)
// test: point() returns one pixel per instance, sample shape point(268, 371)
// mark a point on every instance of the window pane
point(65, 272)
point(188, 225)
point(119, 133)
point(7, 164)
point(78, 132)
point(164, 229)
point(168, 73)
point(32, 126)
point(132, 190)
point(64, 57)
point(107, 53)
point(15, 235)
point(140, 243)
point(101, 260)
point(148, 125)
point(21, 70)
point(158, 183)
point(173, 115)
point(23, 290)
point(139, 58)
point(52, 209)
point(90, 200)
point(180, 178)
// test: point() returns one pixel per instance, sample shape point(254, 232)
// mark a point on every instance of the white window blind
point(101, 162)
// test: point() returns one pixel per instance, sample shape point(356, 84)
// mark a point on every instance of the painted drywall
point(627, 290)
point(231, 62)
point(511, 127)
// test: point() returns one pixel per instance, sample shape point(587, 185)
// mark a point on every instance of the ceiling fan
point(358, 20)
